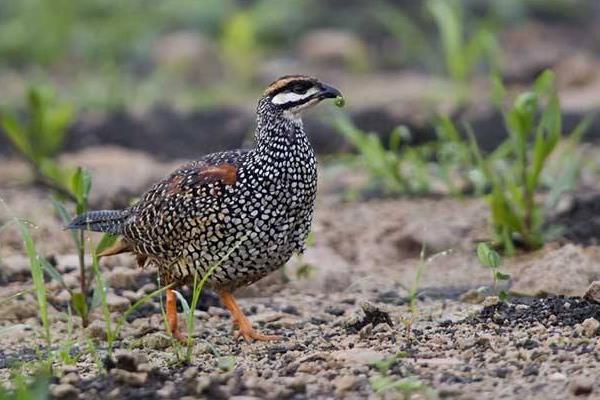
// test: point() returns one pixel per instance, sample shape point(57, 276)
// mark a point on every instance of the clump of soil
point(368, 314)
point(551, 311)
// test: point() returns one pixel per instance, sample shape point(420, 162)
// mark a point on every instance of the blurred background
point(469, 136)
point(181, 78)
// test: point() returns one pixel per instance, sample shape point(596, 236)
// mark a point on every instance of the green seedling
point(226, 363)
point(383, 366)
point(516, 169)
point(462, 54)
point(407, 386)
point(492, 260)
point(197, 290)
point(80, 186)
point(401, 168)
point(37, 275)
point(41, 137)
point(26, 389)
point(101, 291)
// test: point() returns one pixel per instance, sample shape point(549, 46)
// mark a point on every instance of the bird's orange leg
point(245, 327)
point(172, 316)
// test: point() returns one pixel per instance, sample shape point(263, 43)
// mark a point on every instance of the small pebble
point(581, 386)
point(557, 377)
point(64, 391)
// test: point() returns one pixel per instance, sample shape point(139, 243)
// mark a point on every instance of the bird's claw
point(180, 337)
point(250, 335)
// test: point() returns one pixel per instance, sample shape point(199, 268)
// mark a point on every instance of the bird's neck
point(278, 134)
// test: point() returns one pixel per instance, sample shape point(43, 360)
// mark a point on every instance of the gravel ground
point(343, 310)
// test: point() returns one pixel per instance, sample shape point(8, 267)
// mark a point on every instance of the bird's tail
point(109, 221)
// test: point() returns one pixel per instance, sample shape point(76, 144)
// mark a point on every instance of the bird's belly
point(250, 237)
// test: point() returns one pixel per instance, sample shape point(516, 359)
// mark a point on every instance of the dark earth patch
point(551, 311)
point(581, 223)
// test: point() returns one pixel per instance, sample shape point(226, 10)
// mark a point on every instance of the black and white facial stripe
point(296, 93)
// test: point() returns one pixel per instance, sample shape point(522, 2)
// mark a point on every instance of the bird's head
point(293, 94)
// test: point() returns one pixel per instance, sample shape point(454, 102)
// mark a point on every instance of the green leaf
point(183, 301)
point(54, 274)
point(17, 134)
point(79, 304)
point(81, 183)
point(226, 363)
point(37, 275)
point(503, 295)
point(487, 256)
point(107, 241)
point(501, 276)
point(57, 122)
point(544, 84)
point(498, 91)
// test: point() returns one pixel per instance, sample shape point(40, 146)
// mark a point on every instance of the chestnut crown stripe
point(286, 82)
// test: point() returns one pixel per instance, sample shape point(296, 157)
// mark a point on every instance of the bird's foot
point(245, 329)
point(249, 334)
point(179, 336)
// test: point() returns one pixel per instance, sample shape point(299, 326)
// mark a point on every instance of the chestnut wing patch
point(202, 174)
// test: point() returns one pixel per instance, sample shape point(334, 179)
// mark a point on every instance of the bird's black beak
point(329, 92)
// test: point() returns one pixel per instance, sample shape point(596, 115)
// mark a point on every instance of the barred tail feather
point(109, 221)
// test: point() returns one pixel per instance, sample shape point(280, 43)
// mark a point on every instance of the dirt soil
point(343, 308)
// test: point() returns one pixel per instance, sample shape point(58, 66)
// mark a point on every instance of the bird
point(233, 216)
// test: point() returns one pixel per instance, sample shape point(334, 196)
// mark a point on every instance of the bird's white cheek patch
point(291, 97)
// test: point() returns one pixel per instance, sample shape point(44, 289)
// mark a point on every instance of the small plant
point(41, 137)
point(515, 170)
point(406, 386)
point(491, 259)
point(462, 55)
point(412, 296)
point(198, 286)
point(79, 186)
point(27, 389)
point(413, 170)
point(37, 274)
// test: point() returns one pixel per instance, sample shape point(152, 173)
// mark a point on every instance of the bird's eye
point(299, 89)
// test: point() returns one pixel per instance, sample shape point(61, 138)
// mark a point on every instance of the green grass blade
point(37, 275)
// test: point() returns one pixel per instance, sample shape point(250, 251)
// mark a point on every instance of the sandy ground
point(342, 308)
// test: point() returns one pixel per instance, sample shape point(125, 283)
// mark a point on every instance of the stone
point(116, 302)
point(593, 292)
point(126, 360)
point(15, 268)
point(589, 327)
point(472, 296)
point(167, 391)
point(71, 378)
point(490, 301)
point(156, 341)
point(344, 384)
point(131, 295)
point(581, 386)
point(122, 278)
point(136, 379)
point(367, 314)
point(358, 356)
point(557, 377)
point(97, 330)
point(18, 310)
point(64, 391)
point(545, 272)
